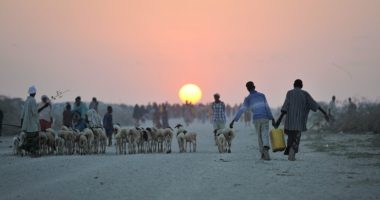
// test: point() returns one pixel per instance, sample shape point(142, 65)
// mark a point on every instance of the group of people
point(296, 108)
point(38, 117)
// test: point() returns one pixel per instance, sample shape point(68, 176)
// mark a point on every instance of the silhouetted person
point(165, 117)
point(332, 109)
point(296, 107)
point(351, 106)
point(30, 123)
point(94, 104)
point(108, 124)
point(1, 121)
point(156, 116)
point(67, 116)
point(79, 114)
point(136, 115)
point(45, 113)
point(262, 114)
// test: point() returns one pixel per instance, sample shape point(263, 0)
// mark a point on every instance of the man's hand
point(232, 124)
point(273, 122)
point(327, 118)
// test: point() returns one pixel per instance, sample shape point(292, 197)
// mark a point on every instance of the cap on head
point(298, 83)
point(32, 90)
point(250, 86)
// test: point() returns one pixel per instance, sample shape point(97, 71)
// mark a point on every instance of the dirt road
point(318, 173)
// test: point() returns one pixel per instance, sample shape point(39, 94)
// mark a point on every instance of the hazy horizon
point(135, 52)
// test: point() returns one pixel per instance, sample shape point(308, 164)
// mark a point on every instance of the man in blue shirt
point(262, 114)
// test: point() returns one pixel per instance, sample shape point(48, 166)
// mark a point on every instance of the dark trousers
point(109, 136)
point(31, 143)
point(294, 138)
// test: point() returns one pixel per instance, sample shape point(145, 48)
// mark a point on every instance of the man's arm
point(277, 124)
point(242, 109)
point(324, 113)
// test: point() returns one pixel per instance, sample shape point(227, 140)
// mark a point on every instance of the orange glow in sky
point(140, 51)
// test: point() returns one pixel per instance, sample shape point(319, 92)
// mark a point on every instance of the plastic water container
point(277, 139)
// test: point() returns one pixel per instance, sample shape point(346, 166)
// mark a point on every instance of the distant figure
point(332, 109)
point(188, 113)
point(156, 116)
point(45, 113)
point(218, 113)
point(136, 115)
point(94, 120)
point(30, 123)
point(1, 121)
point(108, 124)
point(67, 116)
point(296, 107)
point(79, 114)
point(94, 104)
point(262, 114)
point(247, 118)
point(351, 106)
point(165, 117)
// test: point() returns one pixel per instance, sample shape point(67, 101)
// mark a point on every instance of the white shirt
point(46, 113)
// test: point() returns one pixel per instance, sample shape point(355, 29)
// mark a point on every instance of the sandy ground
point(337, 166)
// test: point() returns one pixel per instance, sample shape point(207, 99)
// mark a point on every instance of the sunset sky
point(140, 51)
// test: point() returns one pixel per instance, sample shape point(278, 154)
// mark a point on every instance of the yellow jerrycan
point(277, 139)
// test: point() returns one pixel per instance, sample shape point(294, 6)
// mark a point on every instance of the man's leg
point(265, 138)
point(258, 128)
point(294, 138)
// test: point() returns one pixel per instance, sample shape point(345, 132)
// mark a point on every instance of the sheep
point(159, 140)
point(50, 133)
point(83, 146)
point(181, 139)
point(153, 140)
point(99, 142)
point(152, 136)
point(143, 143)
point(133, 137)
point(229, 136)
point(103, 141)
point(68, 136)
point(121, 139)
point(191, 139)
point(17, 142)
point(60, 145)
point(42, 142)
point(168, 136)
point(90, 139)
point(221, 142)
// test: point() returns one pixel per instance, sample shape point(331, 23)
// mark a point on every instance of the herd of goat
point(127, 140)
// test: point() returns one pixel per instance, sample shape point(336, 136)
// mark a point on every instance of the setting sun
point(190, 93)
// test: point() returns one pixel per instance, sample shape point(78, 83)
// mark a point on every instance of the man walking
point(108, 124)
point(218, 114)
point(30, 124)
point(296, 107)
point(262, 114)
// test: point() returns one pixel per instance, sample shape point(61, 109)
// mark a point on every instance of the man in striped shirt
point(262, 114)
point(296, 107)
point(218, 114)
